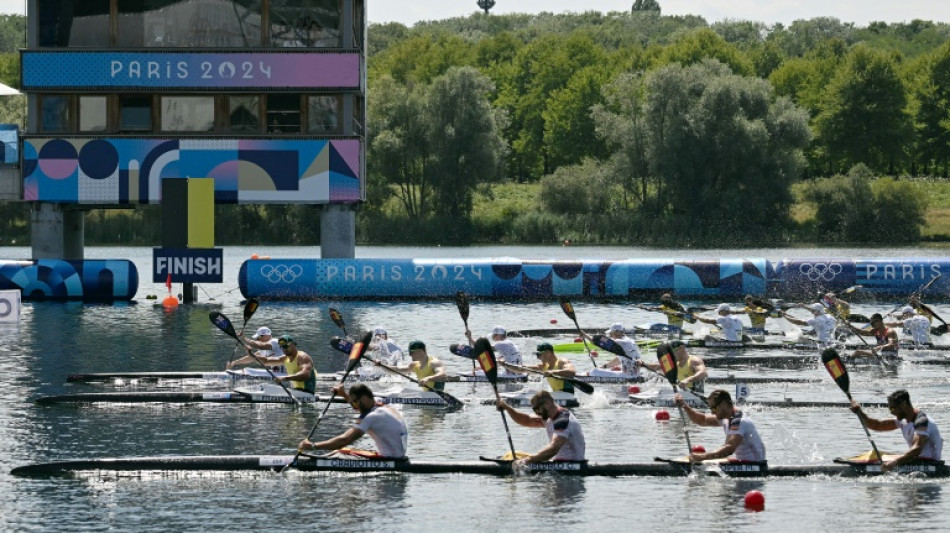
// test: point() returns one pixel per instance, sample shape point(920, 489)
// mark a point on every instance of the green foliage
point(864, 117)
point(576, 189)
point(703, 44)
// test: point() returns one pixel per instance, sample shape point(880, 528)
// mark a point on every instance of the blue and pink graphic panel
point(246, 171)
point(190, 70)
point(59, 280)
point(515, 279)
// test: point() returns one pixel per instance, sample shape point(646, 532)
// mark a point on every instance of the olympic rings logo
point(820, 271)
point(281, 273)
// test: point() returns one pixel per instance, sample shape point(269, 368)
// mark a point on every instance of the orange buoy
point(633, 389)
point(255, 256)
point(755, 501)
point(662, 414)
point(170, 302)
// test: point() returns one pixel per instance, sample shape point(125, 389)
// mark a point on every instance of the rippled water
point(55, 340)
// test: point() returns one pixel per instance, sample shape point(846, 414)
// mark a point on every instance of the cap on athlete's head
point(284, 340)
point(544, 347)
point(263, 330)
point(498, 330)
point(666, 297)
point(723, 308)
point(676, 344)
point(417, 345)
point(617, 326)
point(908, 310)
point(379, 330)
point(817, 308)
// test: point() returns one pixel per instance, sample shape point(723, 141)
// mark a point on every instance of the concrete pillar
point(337, 232)
point(57, 233)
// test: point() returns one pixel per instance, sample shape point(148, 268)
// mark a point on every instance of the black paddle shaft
point(835, 367)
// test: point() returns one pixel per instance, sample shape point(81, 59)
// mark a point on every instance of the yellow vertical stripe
point(200, 212)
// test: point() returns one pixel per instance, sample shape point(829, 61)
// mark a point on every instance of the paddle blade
point(568, 309)
point(250, 308)
point(605, 342)
point(461, 301)
point(939, 330)
point(851, 289)
point(664, 355)
point(341, 345)
point(485, 355)
point(462, 350)
point(835, 366)
point(221, 322)
point(357, 351)
point(337, 318)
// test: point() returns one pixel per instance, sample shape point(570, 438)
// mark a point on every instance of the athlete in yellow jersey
point(300, 370)
point(554, 366)
point(690, 369)
point(429, 370)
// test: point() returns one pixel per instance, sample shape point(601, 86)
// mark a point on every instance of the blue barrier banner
point(188, 265)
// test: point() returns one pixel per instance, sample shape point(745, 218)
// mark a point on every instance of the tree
point(464, 143)
point(717, 145)
point(932, 95)
point(864, 117)
point(640, 6)
point(568, 126)
point(486, 5)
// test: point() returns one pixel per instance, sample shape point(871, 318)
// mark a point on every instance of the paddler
point(758, 310)
point(265, 344)
point(382, 423)
point(565, 433)
point(554, 366)
point(690, 369)
point(823, 324)
point(914, 324)
point(731, 326)
point(300, 369)
point(887, 343)
point(675, 313)
point(625, 365)
point(842, 309)
point(430, 371)
point(742, 438)
point(919, 430)
point(506, 350)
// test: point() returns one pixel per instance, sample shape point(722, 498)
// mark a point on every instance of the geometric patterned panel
point(122, 171)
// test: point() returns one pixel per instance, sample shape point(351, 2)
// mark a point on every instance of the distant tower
point(486, 5)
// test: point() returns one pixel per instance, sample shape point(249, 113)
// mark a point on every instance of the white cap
point(498, 330)
point(263, 330)
point(617, 326)
point(722, 308)
point(908, 310)
point(379, 330)
point(817, 307)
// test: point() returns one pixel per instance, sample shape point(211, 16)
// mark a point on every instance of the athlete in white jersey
point(506, 350)
point(389, 351)
point(919, 430)
point(731, 326)
point(266, 345)
point(823, 324)
point(622, 365)
point(565, 433)
point(917, 326)
point(742, 438)
point(382, 423)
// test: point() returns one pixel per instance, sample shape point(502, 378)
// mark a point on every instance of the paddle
point(840, 319)
point(449, 399)
point(839, 373)
point(338, 320)
point(486, 358)
point(569, 311)
point(582, 386)
point(222, 323)
point(250, 307)
point(668, 364)
point(461, 302)
point(917, 293)
point(351, 363)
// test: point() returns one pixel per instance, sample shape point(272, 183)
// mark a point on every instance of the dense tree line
point(633, 127)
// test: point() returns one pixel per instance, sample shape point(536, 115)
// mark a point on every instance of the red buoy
point(662, 414)
point(633, 389)
point(699, 449)
point(554, 321)
point(755, 501)
point(594, 353)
